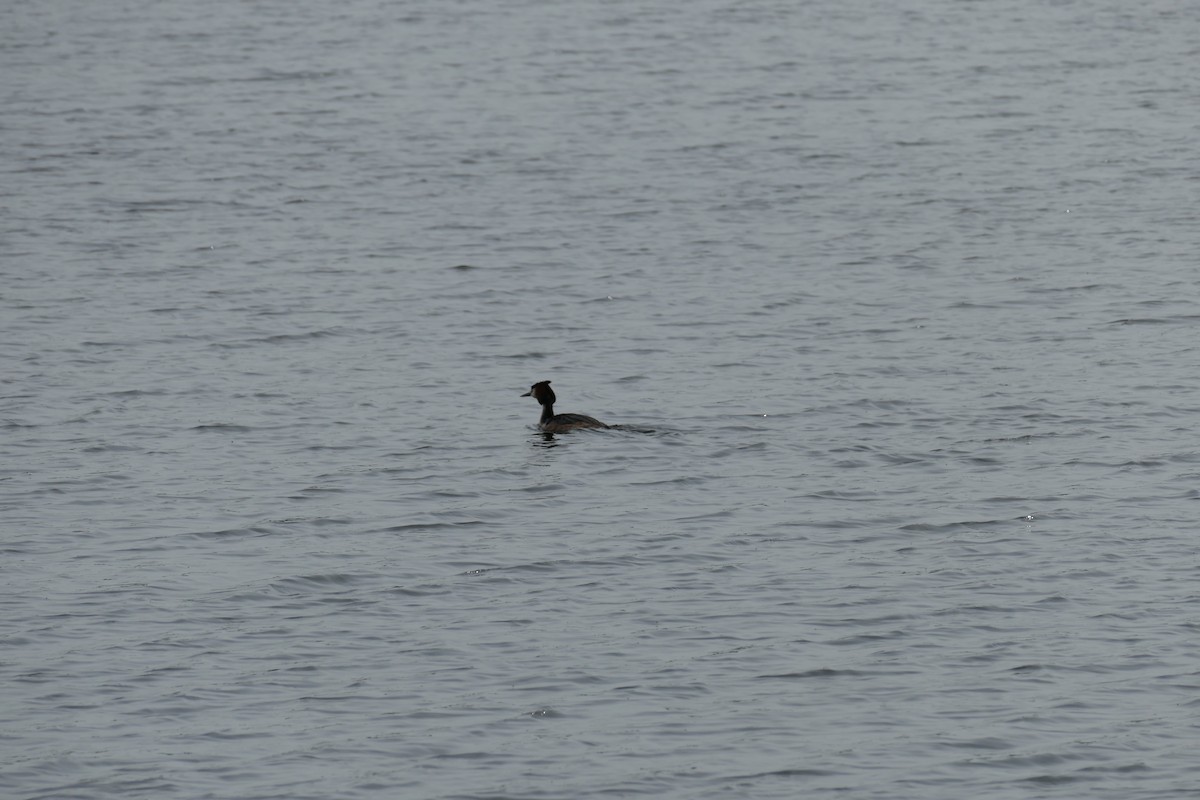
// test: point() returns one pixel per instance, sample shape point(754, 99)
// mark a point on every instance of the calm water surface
point(897, 301)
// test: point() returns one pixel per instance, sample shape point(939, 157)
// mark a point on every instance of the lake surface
point(896, 302)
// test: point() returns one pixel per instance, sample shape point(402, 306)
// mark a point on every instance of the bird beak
point(528, 394)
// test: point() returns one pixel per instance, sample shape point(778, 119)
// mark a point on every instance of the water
point(899, 299)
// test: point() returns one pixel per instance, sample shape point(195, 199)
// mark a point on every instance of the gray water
point(896, 303)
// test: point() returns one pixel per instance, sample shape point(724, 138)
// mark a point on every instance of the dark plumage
point(558, 423)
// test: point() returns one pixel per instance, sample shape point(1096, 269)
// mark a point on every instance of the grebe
point(558, 423)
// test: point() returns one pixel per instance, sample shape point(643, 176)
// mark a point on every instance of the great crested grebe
point(558, 423)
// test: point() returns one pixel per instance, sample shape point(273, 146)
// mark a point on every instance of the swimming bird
point(558, 423)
